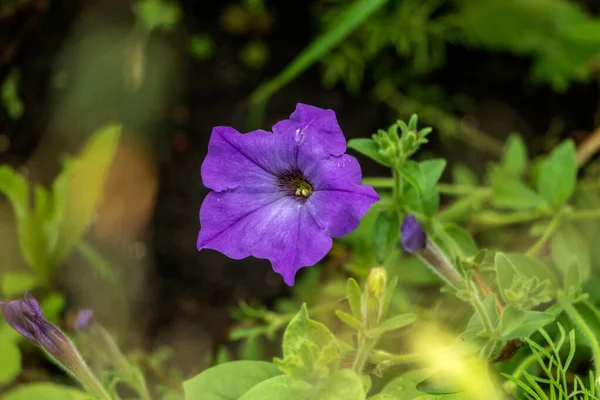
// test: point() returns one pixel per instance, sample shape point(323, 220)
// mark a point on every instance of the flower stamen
point(295, 184)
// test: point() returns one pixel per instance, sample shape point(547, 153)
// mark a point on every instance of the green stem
point(363, 352)
point(491, 218)
point(463, 206)
point(550, 229)
point(90, 382)
point(580, 323)
point(389, 359)
point(444, 188)
point(585, 214)
point(480, 309)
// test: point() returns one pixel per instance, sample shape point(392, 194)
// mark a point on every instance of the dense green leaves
point(229, 381)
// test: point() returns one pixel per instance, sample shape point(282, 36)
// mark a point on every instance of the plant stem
point(546, 235)
point(362, 354)
point(444, 188)
point(480, 309)
point(585, 214)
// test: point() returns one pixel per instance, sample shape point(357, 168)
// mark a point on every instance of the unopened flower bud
point(376, 282)
point(26, 317)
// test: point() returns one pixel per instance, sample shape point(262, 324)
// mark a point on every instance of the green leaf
point(405, 385)
point(301, 329)
point(558, 174)
point(369, 148)
point(53, 306)
point(432, 172)
point(464, 244)
point(514, 158)
point(461, 175)
point(530, 266)
point(354, 295)
point(475, 325)
point(45, 391)
point(505, 273)
point(519, 324)
point(10, 95)
point(391, 324)
point(412, 173)
point(17, 283)
point(512, 194)
point(77, 190)
point(568, 247)
point(351, 18)
point(386, 233)
point(10, 362)
point(229, 381)
point(342, 385)
point(348, 319)
point(30, 226)
point(276, 388)
point(450, 396)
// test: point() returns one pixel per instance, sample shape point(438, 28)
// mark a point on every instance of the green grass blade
point(347, 22)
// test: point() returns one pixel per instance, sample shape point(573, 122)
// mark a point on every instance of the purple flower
point(26, 317)
point(413, 236)
point(282, 195)
point(83, 319)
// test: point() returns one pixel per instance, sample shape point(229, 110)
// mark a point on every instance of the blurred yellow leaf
point(78, 189)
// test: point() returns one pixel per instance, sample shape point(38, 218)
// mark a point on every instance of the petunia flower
point(282, 195)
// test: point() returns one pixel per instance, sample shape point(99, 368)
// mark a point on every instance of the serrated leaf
point(301, 328)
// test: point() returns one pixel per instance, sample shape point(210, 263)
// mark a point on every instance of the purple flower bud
point(413, 236)
point(26, 317)
point(83, 319)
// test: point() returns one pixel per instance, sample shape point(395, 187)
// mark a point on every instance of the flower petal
point(271, 226)
point(315, 131)
point(339, 199)
point(14, 316)
point(249, 161)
